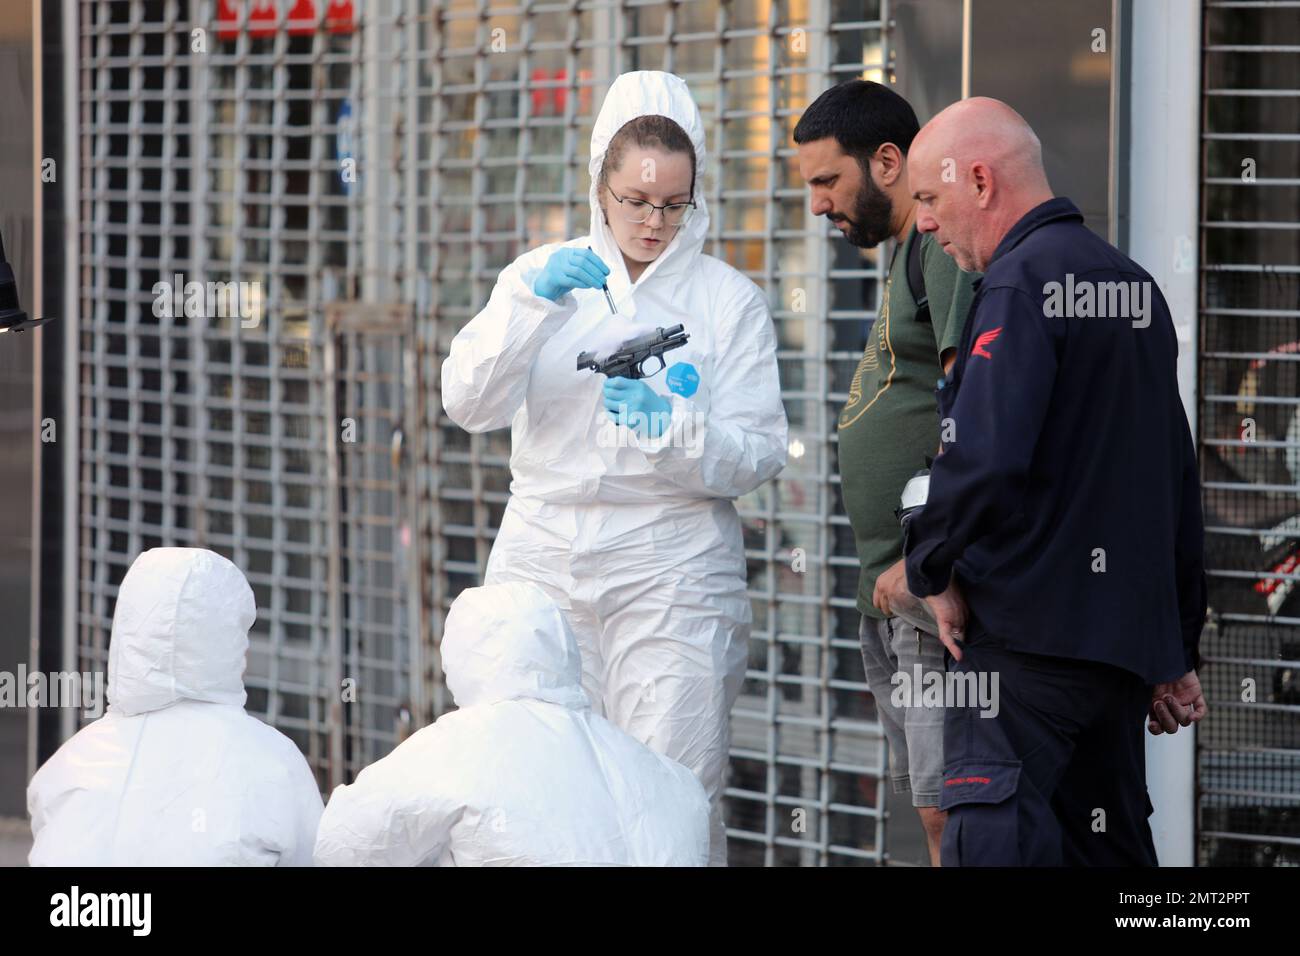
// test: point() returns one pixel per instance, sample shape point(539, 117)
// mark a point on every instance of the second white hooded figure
point(622, 490)
point(523, 773)
point(176, 773)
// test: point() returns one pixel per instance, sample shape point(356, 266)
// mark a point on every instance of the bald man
point(1060, 548)
point(853, 142)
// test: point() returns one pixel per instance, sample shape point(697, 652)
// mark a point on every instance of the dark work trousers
point(1058, 777)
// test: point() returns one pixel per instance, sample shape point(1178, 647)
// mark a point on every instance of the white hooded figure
point(633, 531)
point(523, 773)
point(176, 773)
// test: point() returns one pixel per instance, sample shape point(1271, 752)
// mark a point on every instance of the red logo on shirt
point(985, 339)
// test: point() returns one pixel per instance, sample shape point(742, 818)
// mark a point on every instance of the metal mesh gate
point(392, 166)
point(205, 161)
point(376, 652)
point(1249, 748)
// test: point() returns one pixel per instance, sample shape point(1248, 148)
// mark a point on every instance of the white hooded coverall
point(523, 773)
point(636, 539)
point(176, 773)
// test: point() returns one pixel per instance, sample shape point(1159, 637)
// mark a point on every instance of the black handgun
point(627, 360)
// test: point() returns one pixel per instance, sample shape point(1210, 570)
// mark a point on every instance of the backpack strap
point(916, 279)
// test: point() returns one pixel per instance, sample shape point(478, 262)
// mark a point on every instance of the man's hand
point(1176, 704)
point(949, 610)
point(890, 586)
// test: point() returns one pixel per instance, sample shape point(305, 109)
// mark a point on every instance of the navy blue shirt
point(1066, 500)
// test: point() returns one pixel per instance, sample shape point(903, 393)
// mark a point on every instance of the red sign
point(558, 96)
point(340, 16)
point(301, 17)
point(261, 19)
point(227, 18)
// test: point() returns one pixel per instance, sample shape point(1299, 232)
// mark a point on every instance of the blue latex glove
point(631, 402)
point(570, 269)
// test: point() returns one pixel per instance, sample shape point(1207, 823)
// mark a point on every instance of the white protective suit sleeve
point(741, 442)
point(382, 820)
point(485, 376)
point(307, 806)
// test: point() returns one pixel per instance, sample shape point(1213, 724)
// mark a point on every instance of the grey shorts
point(915, 733)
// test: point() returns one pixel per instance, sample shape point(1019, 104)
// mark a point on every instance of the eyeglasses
point(638, 210)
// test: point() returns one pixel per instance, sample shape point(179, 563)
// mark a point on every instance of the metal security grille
point(209, 160)
point(370, 178)
point(375, 641)
point(1249, 749)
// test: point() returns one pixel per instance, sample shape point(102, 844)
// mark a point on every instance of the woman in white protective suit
point(522, 773)
point(176, 773)
point(621, 506)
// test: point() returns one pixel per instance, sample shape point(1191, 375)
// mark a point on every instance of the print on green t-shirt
point(890, 423)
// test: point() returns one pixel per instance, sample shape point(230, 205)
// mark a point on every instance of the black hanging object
point(12, 316)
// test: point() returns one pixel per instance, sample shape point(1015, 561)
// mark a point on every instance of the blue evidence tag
point(683, 379)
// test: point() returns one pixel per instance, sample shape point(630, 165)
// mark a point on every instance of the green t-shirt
point(890, 422)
